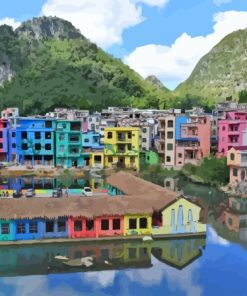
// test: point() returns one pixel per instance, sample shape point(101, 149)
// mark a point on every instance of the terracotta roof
point(88, 207)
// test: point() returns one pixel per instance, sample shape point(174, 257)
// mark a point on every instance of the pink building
point(194, 142)
point(232, 131)
point(237, 162)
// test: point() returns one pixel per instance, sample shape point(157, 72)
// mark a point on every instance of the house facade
point(237, 163)
point(35, 141)
point(232, 131)
point(69, 143)
point(121, 147)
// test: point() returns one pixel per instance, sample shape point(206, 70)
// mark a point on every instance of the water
point(217, 269)
point(215, 266)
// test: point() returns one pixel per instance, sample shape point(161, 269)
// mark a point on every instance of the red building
point(80, 227)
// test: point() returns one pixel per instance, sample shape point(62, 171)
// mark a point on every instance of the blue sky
point(161, 37)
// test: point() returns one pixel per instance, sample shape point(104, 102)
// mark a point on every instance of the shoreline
point(102, 239)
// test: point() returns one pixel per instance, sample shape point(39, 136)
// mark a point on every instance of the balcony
point(161, 128)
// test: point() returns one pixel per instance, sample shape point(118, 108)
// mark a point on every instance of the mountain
point(222, 72)
point(47, 63)
point(156, 82)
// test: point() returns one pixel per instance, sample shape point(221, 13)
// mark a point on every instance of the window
point(61, 137)
point(223, 127)
point(77, 225)
point(48, 135)
point(47, 146)
point(170, 123)
point(1, 145)
point(144, 140)
point(132, 223)
point(21, 228)
point(37, 146)
point(116, 224)
point(61, 226)
point(13, 134)
point(129, 147)
point(170, 135)
point(144, 130)
point(1, 134)
point(97, 158)
point(86, 140)
point(24, 135)
point(33, 227)
point(37, 135)
point(74, 138)
point(169, 146)
point(168, 159)
point(90, 119)
point(143, 223)
point(132, 253)
point(110, 159)
point(49, 226)
point(61, 149)
point(5, 228)
point(24, 146)
point(235, 172)
point(244, 157)
point(129, 135)
point(109, 135)
point(104, 224)
point(168, 183)
point(48, 124)
point(13, 145)
point(230, 221)
point(232, 156)
point(90, 225)
point(180, 155)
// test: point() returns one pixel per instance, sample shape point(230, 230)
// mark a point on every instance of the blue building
point(91, 140)
point(180, 120)
point(35, 141)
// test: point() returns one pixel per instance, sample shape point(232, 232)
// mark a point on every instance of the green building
point(149, 157)
point(68, 143)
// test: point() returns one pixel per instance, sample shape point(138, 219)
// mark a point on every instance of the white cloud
point(10, 22)
point(174, 63)
point(102, 21)
point(216, 239)
point(159, 3)
point(220, 2)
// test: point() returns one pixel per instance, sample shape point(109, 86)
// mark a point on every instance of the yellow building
point(97, 159)
point(121, 147)
point(137, 224)
point(180, 216)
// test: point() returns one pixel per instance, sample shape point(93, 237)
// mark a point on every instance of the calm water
point(211, 266)
point(181, 267)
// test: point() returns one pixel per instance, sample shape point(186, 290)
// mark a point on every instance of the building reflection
point(40, 259)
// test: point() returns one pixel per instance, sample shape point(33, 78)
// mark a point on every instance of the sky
point(165, 38)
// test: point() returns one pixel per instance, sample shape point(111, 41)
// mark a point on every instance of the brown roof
point(88, 207)
point(132, 185)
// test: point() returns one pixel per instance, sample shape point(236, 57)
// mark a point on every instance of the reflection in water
point(40, 259)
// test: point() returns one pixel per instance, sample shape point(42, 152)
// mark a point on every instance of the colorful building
point(148, 210)
point(35, 141)
point(237, 163)
point(5, 152)
point(149, 157)
point(232, 131)
point(121, 147)
point(68, 143)
point(194, 141)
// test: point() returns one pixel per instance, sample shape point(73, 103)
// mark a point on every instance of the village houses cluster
point(126, 137)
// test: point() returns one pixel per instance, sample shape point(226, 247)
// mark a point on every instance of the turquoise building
point(6, 230)
point(68, 143)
